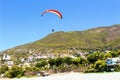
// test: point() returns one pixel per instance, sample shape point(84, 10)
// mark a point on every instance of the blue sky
point(20, 20)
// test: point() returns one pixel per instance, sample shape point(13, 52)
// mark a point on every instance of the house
point(23, 59)
point(10, 63)
point(72, 56)
point(81, 54)
point(6, 57)
point(44, 57)
point(113, 61)
point(51, 56)
point(30, 58)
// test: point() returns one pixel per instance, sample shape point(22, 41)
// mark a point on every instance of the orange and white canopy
point(53, 11)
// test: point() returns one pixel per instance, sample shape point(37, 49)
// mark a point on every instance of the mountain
point(100, 38)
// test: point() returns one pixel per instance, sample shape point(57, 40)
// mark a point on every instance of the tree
point(59, 61)
point(52, 62)
point(92, 58)
point(114, 54)
point(68, 60)
point(3, 69)
point(83, 60)
point(15, 71)
point(100, 65)
point(76, 61)
point(95, 56)
point(41, 64)
point(107, 55)
point(32, 68)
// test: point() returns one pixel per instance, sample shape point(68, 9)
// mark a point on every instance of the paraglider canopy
point(53, 11)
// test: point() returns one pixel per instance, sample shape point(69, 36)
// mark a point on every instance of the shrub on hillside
point(3, 69)
point(100, 65)
point(15, 71)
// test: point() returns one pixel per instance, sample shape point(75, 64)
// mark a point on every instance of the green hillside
point(101, 38)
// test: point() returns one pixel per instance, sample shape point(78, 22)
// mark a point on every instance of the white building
point(30, 58)
point(44, 57)
point(113, 61)
point(22, 60)
point(10, 63)
point(6, 57)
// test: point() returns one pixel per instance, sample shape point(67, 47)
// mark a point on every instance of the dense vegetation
point(94, 62)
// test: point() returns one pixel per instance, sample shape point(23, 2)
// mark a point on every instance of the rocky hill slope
point(101, 38)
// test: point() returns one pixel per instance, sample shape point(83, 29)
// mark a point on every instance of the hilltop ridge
point(106, 37)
